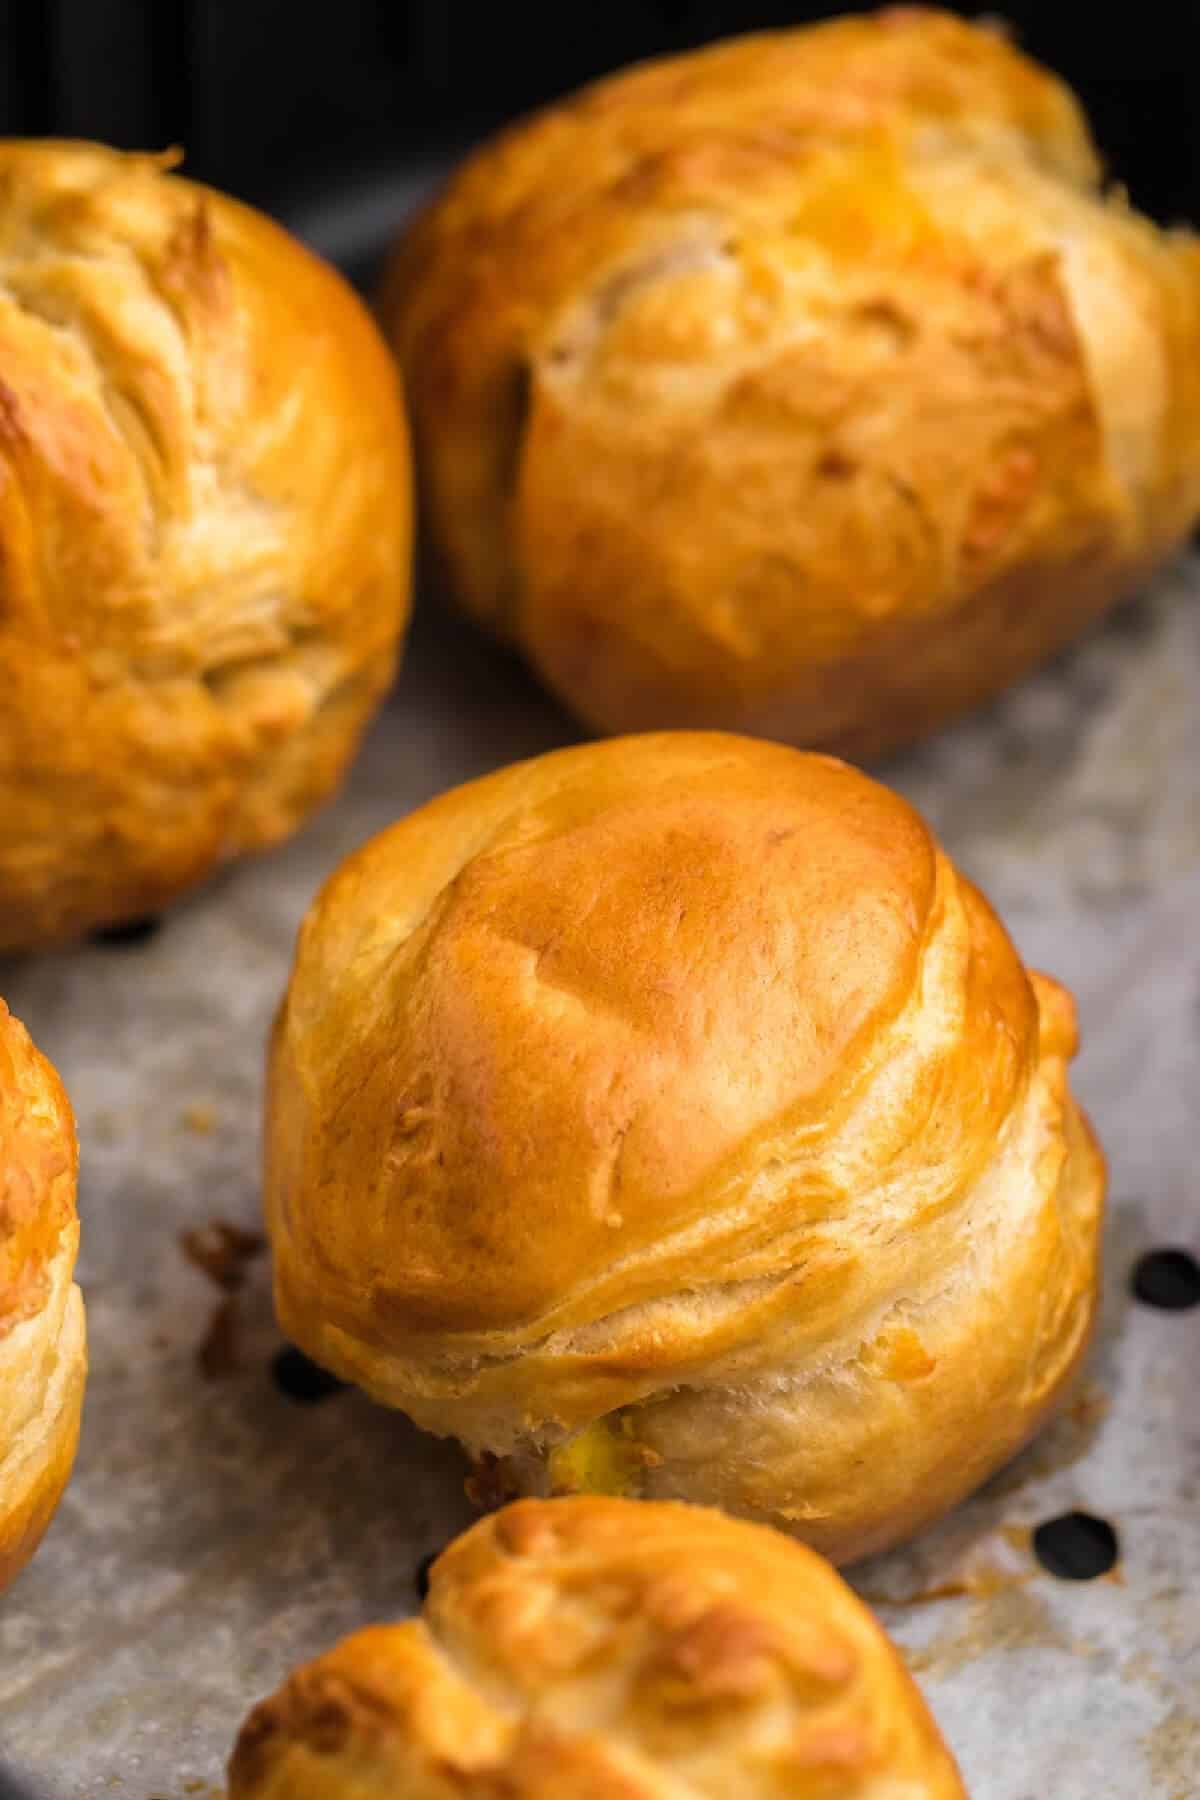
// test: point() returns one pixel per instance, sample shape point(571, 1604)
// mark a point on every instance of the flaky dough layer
point(43, 1354)
point(619, 1652)
point(805, 385)
point(668, 1116)
point(204, 534)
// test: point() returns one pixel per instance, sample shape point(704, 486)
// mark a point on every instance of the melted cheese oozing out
point(600, 1459)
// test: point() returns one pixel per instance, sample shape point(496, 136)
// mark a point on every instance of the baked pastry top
point(43, 1354)
point(204, 533)
point(807, 384)
point(668, 1116)
point(601, 1648)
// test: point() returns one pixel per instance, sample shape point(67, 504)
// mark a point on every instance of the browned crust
point(679, 1088)
point(806, 385)
point(729, 1661)
point(43, 1359)
point(204, 534)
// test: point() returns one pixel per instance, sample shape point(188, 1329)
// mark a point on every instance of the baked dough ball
point(600, 1649)
point(43, 1354)
point(667, 1117)
point(204, 534)
point(805, 385)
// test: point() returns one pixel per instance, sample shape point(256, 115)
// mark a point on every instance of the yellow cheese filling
point(603, 1458)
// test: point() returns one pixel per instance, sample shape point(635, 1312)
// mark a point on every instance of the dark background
point(301, 106)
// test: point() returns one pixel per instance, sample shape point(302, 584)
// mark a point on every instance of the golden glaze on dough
point(600, 1650)
point(804, 385)
point(204, 534)
point(43, 1356)
point(668, 1116)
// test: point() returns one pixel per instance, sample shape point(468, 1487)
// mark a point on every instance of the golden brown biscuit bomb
point(602, 1649)
point(806, 385)
point(43, 1352)
point(669, 1117)
point(204, 534)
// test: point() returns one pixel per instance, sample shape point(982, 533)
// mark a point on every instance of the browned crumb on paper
point(491, 1483)
point(218, 1353)
point(198, 1118)
point(221, 1251)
